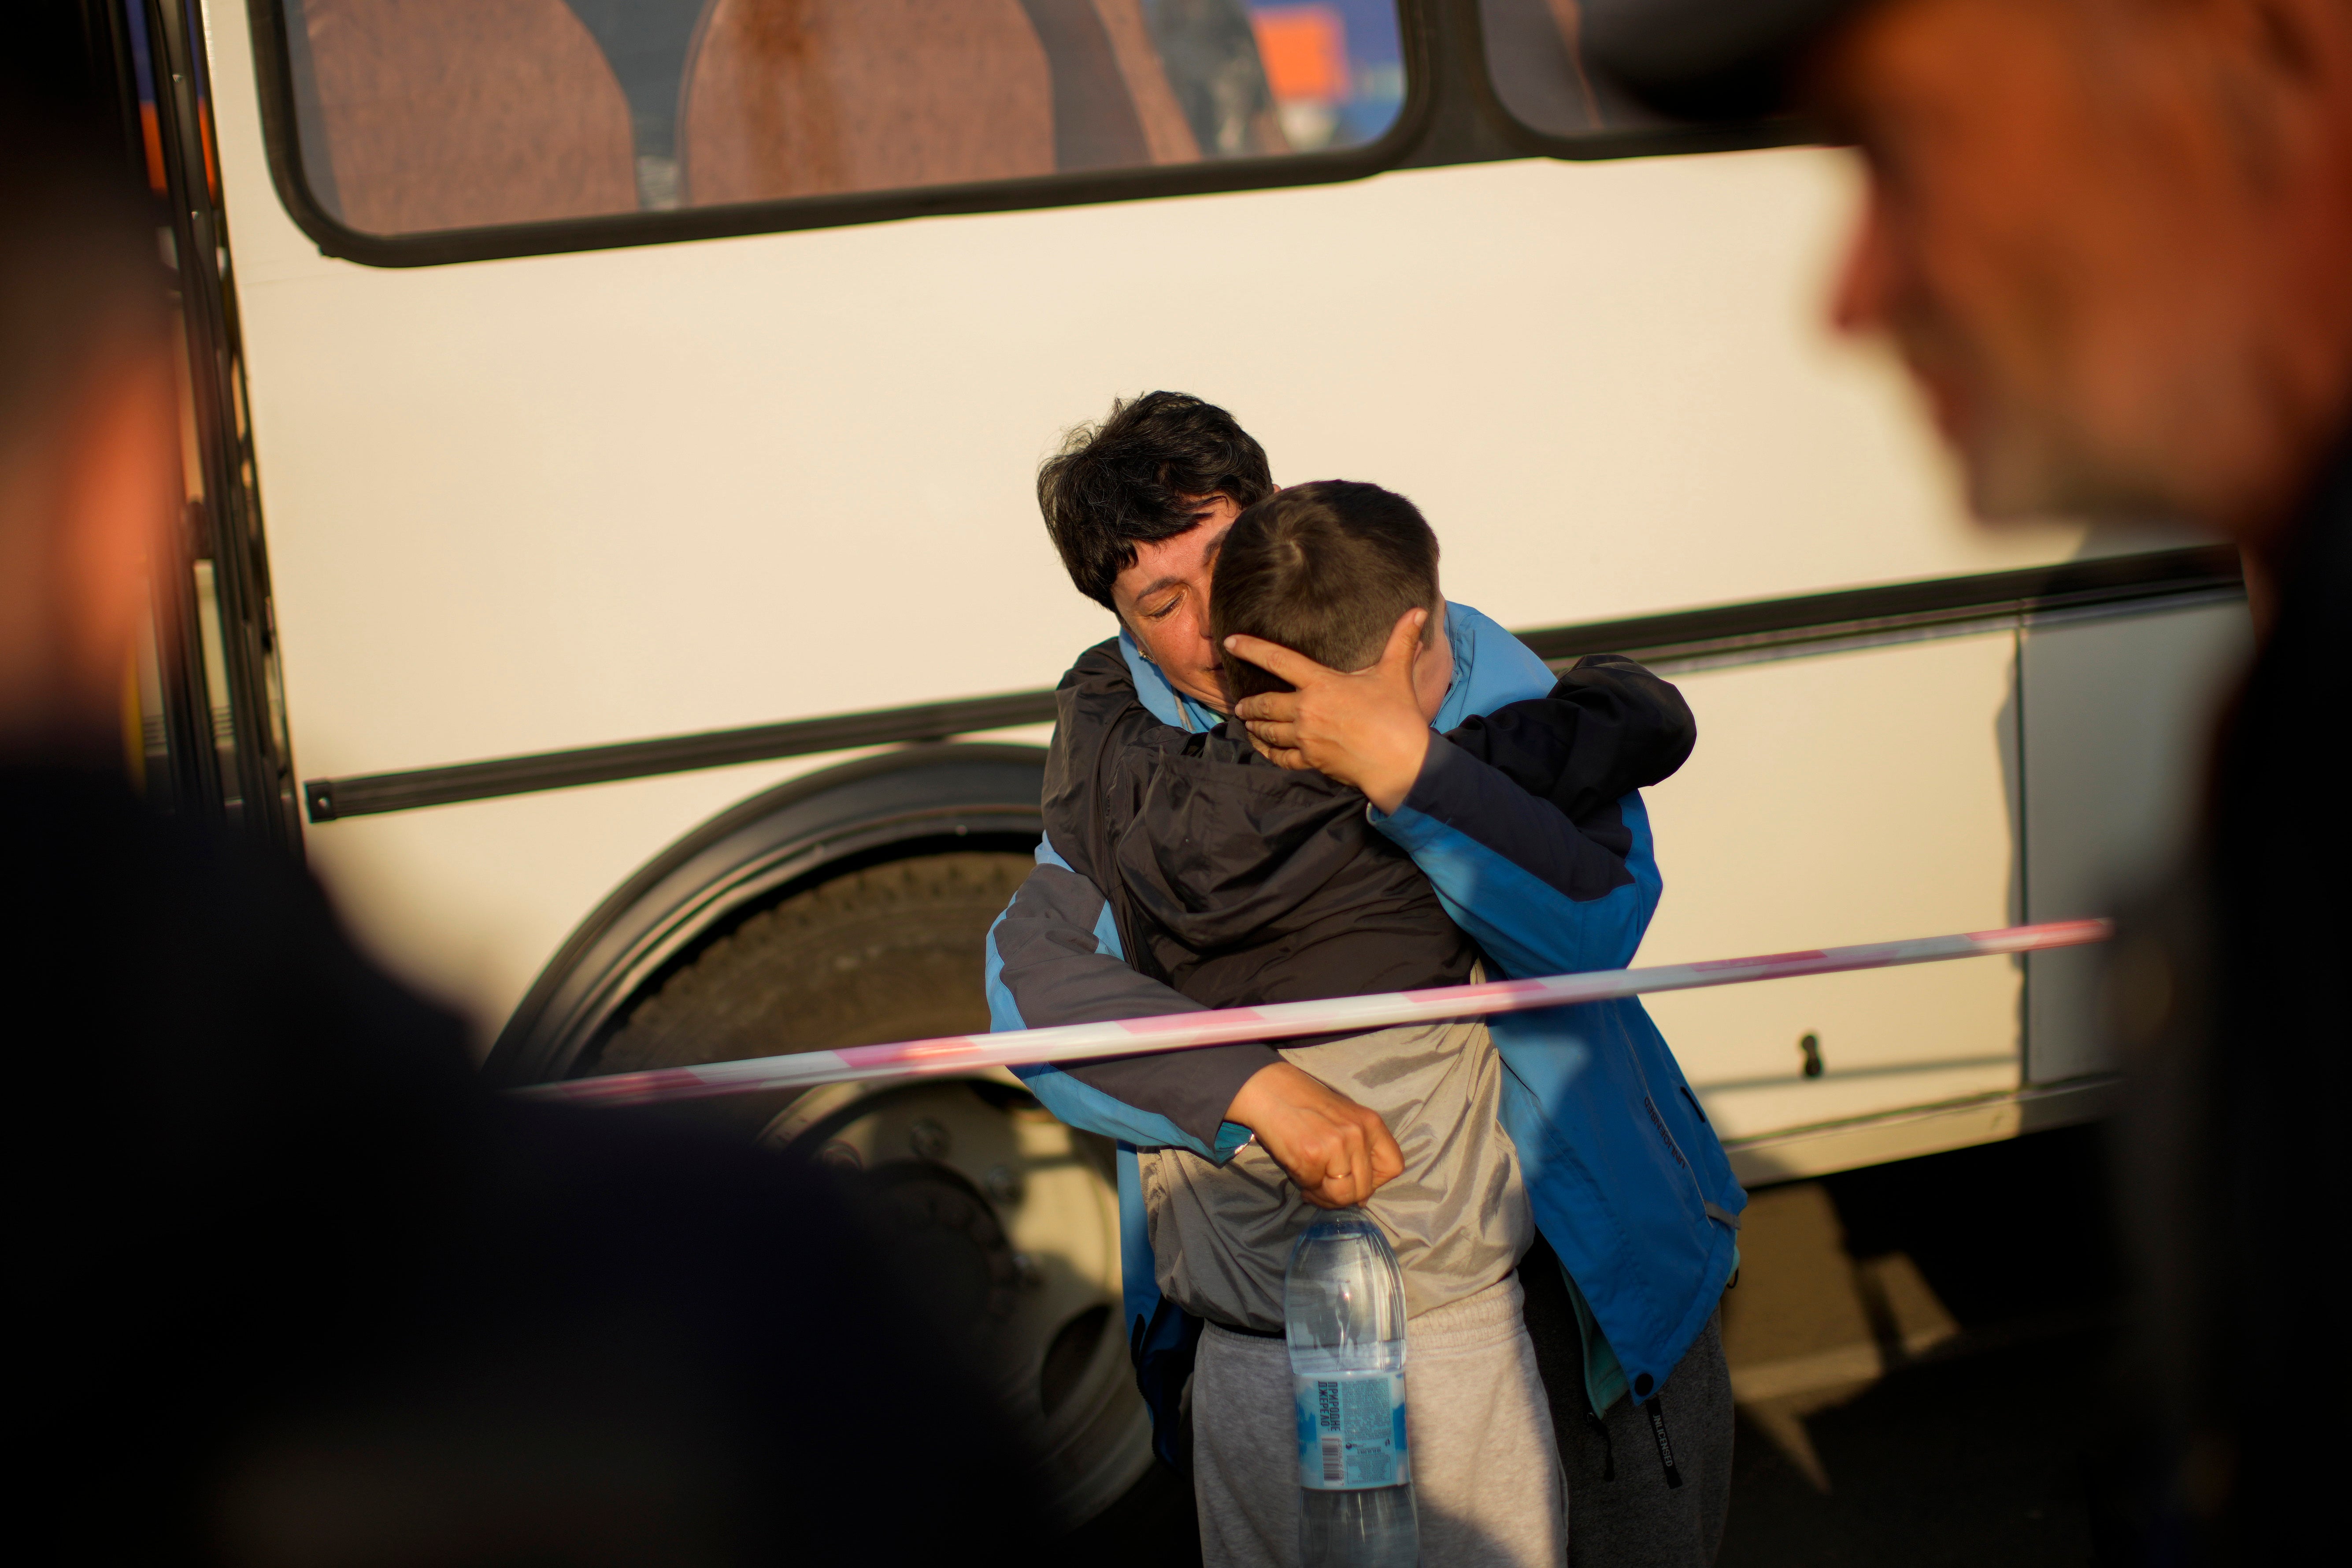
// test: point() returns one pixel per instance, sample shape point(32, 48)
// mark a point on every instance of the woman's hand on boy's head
point(1364, 728)
point(1338, 1151)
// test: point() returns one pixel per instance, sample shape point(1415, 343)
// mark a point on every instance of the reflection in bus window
point(1536, 59)
point(418, 115)
point(646, 42)
point(1213, 64)
point(457, 113)
point(1336, 68)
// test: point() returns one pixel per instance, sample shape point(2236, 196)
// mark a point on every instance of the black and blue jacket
point(1626, 1178)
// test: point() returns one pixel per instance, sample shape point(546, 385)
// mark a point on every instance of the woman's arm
point(1065, 969)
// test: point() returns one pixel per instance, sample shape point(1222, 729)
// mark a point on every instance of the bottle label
point(1352, 1431)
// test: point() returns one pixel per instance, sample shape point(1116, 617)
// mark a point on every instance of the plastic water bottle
point(1343, 1313)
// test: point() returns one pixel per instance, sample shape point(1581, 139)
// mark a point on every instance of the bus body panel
point(2119, 711)
point(561, 501)
point(1842, 798)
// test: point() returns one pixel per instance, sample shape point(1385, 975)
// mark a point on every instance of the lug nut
point(929, 1140)
point(1005, 1184)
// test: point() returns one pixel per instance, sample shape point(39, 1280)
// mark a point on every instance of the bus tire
point(1007, 1219)
point(888, 953)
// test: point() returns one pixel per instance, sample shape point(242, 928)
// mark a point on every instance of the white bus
point(641, 399)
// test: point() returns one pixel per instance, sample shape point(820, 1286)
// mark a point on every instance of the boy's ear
point(1229, 676)
point(1241, 679)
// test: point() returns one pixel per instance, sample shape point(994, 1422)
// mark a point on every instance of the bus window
point(416, 116)
point(1536, 59)
point(1280, 75)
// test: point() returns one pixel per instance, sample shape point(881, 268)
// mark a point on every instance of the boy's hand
point(1365, 728)
point(1336, 1151)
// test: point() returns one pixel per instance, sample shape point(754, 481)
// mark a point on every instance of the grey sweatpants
point(1486, 1476)
point(1635, 1519)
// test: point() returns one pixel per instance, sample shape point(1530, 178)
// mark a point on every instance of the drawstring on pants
point(1607, 1449)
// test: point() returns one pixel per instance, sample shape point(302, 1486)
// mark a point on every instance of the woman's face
point(1164, 600)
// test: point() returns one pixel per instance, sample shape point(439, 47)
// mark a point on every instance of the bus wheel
point(1009, 1219)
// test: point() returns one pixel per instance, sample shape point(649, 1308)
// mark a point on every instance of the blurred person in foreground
point(2112, 240)
point(293, 1291)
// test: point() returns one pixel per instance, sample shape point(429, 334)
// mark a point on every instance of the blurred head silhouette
point(88, 458)
point(2111, 239)
point(305, 1295)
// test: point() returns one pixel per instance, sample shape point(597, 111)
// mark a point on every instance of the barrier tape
point(1235, 1025)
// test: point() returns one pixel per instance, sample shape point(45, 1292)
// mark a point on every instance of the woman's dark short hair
point(1138, 477)
point(1324, 569)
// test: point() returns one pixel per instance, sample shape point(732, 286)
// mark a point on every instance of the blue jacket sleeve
point(1053, 957)
point(1537, 891)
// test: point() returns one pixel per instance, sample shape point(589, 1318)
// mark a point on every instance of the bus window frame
point(1603, 146)
point(1451, 115)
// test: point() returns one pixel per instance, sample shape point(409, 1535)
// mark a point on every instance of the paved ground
point(1918, 1350)
point(1975, 1461)
point(1919, 1353)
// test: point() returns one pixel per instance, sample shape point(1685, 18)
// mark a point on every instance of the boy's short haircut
point(1324, 569)
point(1140, 477)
